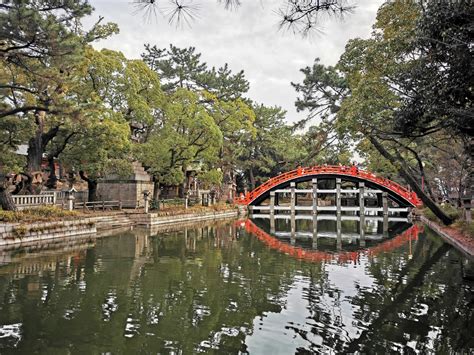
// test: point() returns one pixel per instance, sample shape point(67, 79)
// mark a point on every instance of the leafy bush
point(44, 213)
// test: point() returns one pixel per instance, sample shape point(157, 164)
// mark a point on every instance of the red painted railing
point(351, 171)
point(342, 256)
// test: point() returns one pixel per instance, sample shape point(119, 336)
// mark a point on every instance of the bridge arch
point(400, 194)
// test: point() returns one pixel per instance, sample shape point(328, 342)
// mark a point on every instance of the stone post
point(467, 209)
point(146, 197)
point(70, 202)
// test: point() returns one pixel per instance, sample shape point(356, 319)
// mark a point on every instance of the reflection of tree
point(409, 304)
point(202, 288)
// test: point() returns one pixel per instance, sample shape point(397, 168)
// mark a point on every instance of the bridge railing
point(330, 169)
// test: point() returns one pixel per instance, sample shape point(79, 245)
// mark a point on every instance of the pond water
point(233, 287)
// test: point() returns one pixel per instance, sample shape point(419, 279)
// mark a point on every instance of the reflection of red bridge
point(342, 257)
point(396, 191)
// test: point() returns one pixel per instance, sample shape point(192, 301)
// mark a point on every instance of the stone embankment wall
point(27, 234)
point(17, 233)
point(152, 219)
point(460, 242)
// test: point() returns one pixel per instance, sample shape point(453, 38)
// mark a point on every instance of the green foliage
point(42, 71)
point(273, 147)
point(448, 209)
point(211, 177)
point(187, 135)
point(100, 147)
point(183, 68)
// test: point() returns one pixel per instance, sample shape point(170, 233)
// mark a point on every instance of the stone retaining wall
point(153, 219)
point(451, 239)
point(23, 234)
point(26, 234)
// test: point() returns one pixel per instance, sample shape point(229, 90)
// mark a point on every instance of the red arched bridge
point(373, 183)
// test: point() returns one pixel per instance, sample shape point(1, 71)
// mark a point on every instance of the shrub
point(43, 213)
point(451, 212)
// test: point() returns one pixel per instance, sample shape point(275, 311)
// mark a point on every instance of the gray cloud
point(247, 38)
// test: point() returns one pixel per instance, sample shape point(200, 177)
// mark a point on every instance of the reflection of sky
point(274, 333)
point(270, 336)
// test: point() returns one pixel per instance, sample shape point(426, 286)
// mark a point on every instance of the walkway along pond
point(234, 286)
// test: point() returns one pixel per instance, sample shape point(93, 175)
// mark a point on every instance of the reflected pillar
point(339, 232)
point(362, 233)
point(315, 231)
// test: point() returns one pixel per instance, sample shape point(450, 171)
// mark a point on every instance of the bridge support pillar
point(338, 196)
point(385, 226)
point(272, 212)
point(385, 213)
point(315, 196)
point(362, 202)
point(385, 203)
point(293, 210)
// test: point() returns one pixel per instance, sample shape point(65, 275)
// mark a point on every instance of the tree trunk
point(6, 199)
point(36, 147)
point(468, 191)
point(52, 182)
point(91, 186)
point(156, 189)
point(252, 179)
point(411, 181)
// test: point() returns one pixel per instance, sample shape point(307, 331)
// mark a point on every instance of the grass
point(451, 212)
point(40, 214)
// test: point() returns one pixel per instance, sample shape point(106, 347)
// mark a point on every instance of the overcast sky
point(247, 38)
